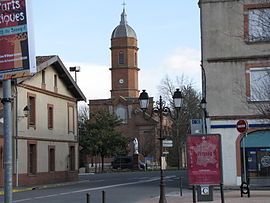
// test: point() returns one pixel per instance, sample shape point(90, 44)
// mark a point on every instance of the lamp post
point(160, 109)
point(203, 105)
point(75, 69)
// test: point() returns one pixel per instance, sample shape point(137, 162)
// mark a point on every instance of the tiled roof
point(41, 59)
point(45, 61)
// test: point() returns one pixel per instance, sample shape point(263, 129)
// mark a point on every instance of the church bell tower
point(124, 63)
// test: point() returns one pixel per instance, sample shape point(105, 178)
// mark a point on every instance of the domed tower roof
point(123, 29)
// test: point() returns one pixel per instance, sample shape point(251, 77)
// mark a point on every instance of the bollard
point(87, 198)
point(103, 196)
point(181, 186)
point(194, 193)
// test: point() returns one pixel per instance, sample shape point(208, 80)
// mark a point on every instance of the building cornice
point(238, 59)
point(46, 92)
point(43, 139)
point(215, 1)
point(237, 117)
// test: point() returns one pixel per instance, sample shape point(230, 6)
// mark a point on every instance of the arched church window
point(121, 113)
point(135, 58)
point(121, 57)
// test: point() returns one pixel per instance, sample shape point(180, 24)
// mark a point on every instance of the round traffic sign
point(242, 126)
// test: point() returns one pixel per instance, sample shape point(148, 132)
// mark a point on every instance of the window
point(121, 113)
point(51, 158)
point(43, 84)
point(72, 158)
point(55, 83)
point(135, 59)
point(55, 80)
point(32, 158)
point(50, 116)
point(258, 26)
point(32, 110)
point(121, 58)
point(260, 84)
point(71, 118)
point(43, 76)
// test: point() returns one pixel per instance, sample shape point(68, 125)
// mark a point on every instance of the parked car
point(125, 162)
point(122, 162)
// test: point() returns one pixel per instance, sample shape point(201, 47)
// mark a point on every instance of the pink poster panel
point(204, 159)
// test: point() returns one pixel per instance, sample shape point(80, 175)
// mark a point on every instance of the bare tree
point(83, 117)
point(190, 109)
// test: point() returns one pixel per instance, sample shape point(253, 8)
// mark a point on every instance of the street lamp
point(26, 111)
point(75, 69)
point(160, 109)
point(203, 105)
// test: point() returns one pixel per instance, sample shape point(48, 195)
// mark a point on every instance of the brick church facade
point(124, 92)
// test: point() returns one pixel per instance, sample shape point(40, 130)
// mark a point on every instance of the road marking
point(96, 181)
point(140, 178)
point(91, 189)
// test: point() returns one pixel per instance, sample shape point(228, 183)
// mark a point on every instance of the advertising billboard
point(17, 58)
point(204, 159)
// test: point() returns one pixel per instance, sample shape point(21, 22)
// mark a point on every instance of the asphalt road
point(126, 187)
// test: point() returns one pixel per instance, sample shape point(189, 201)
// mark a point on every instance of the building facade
point(45, 140)
point(235, 68)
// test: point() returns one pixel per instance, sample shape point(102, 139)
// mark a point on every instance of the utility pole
point(7, 99)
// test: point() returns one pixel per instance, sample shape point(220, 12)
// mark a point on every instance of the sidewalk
point(230, 196)
point(53, 185)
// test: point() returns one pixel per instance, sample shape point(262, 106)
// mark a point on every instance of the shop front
point(257, 157)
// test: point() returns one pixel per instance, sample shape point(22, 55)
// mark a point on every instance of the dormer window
point(121, 58)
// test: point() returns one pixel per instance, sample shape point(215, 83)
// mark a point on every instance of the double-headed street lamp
point(160, 109)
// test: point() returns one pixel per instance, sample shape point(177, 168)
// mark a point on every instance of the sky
point(79, 32)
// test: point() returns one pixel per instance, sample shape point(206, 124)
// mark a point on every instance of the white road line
point(91, 189)
point(23, 200)
point(96, 181)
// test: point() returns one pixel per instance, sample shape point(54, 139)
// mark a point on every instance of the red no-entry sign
point(242, 126)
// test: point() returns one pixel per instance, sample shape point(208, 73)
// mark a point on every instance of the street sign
point(205, 189)
point(196, 126)
point(165, 153)
point(167, 143)
point(242, 126)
